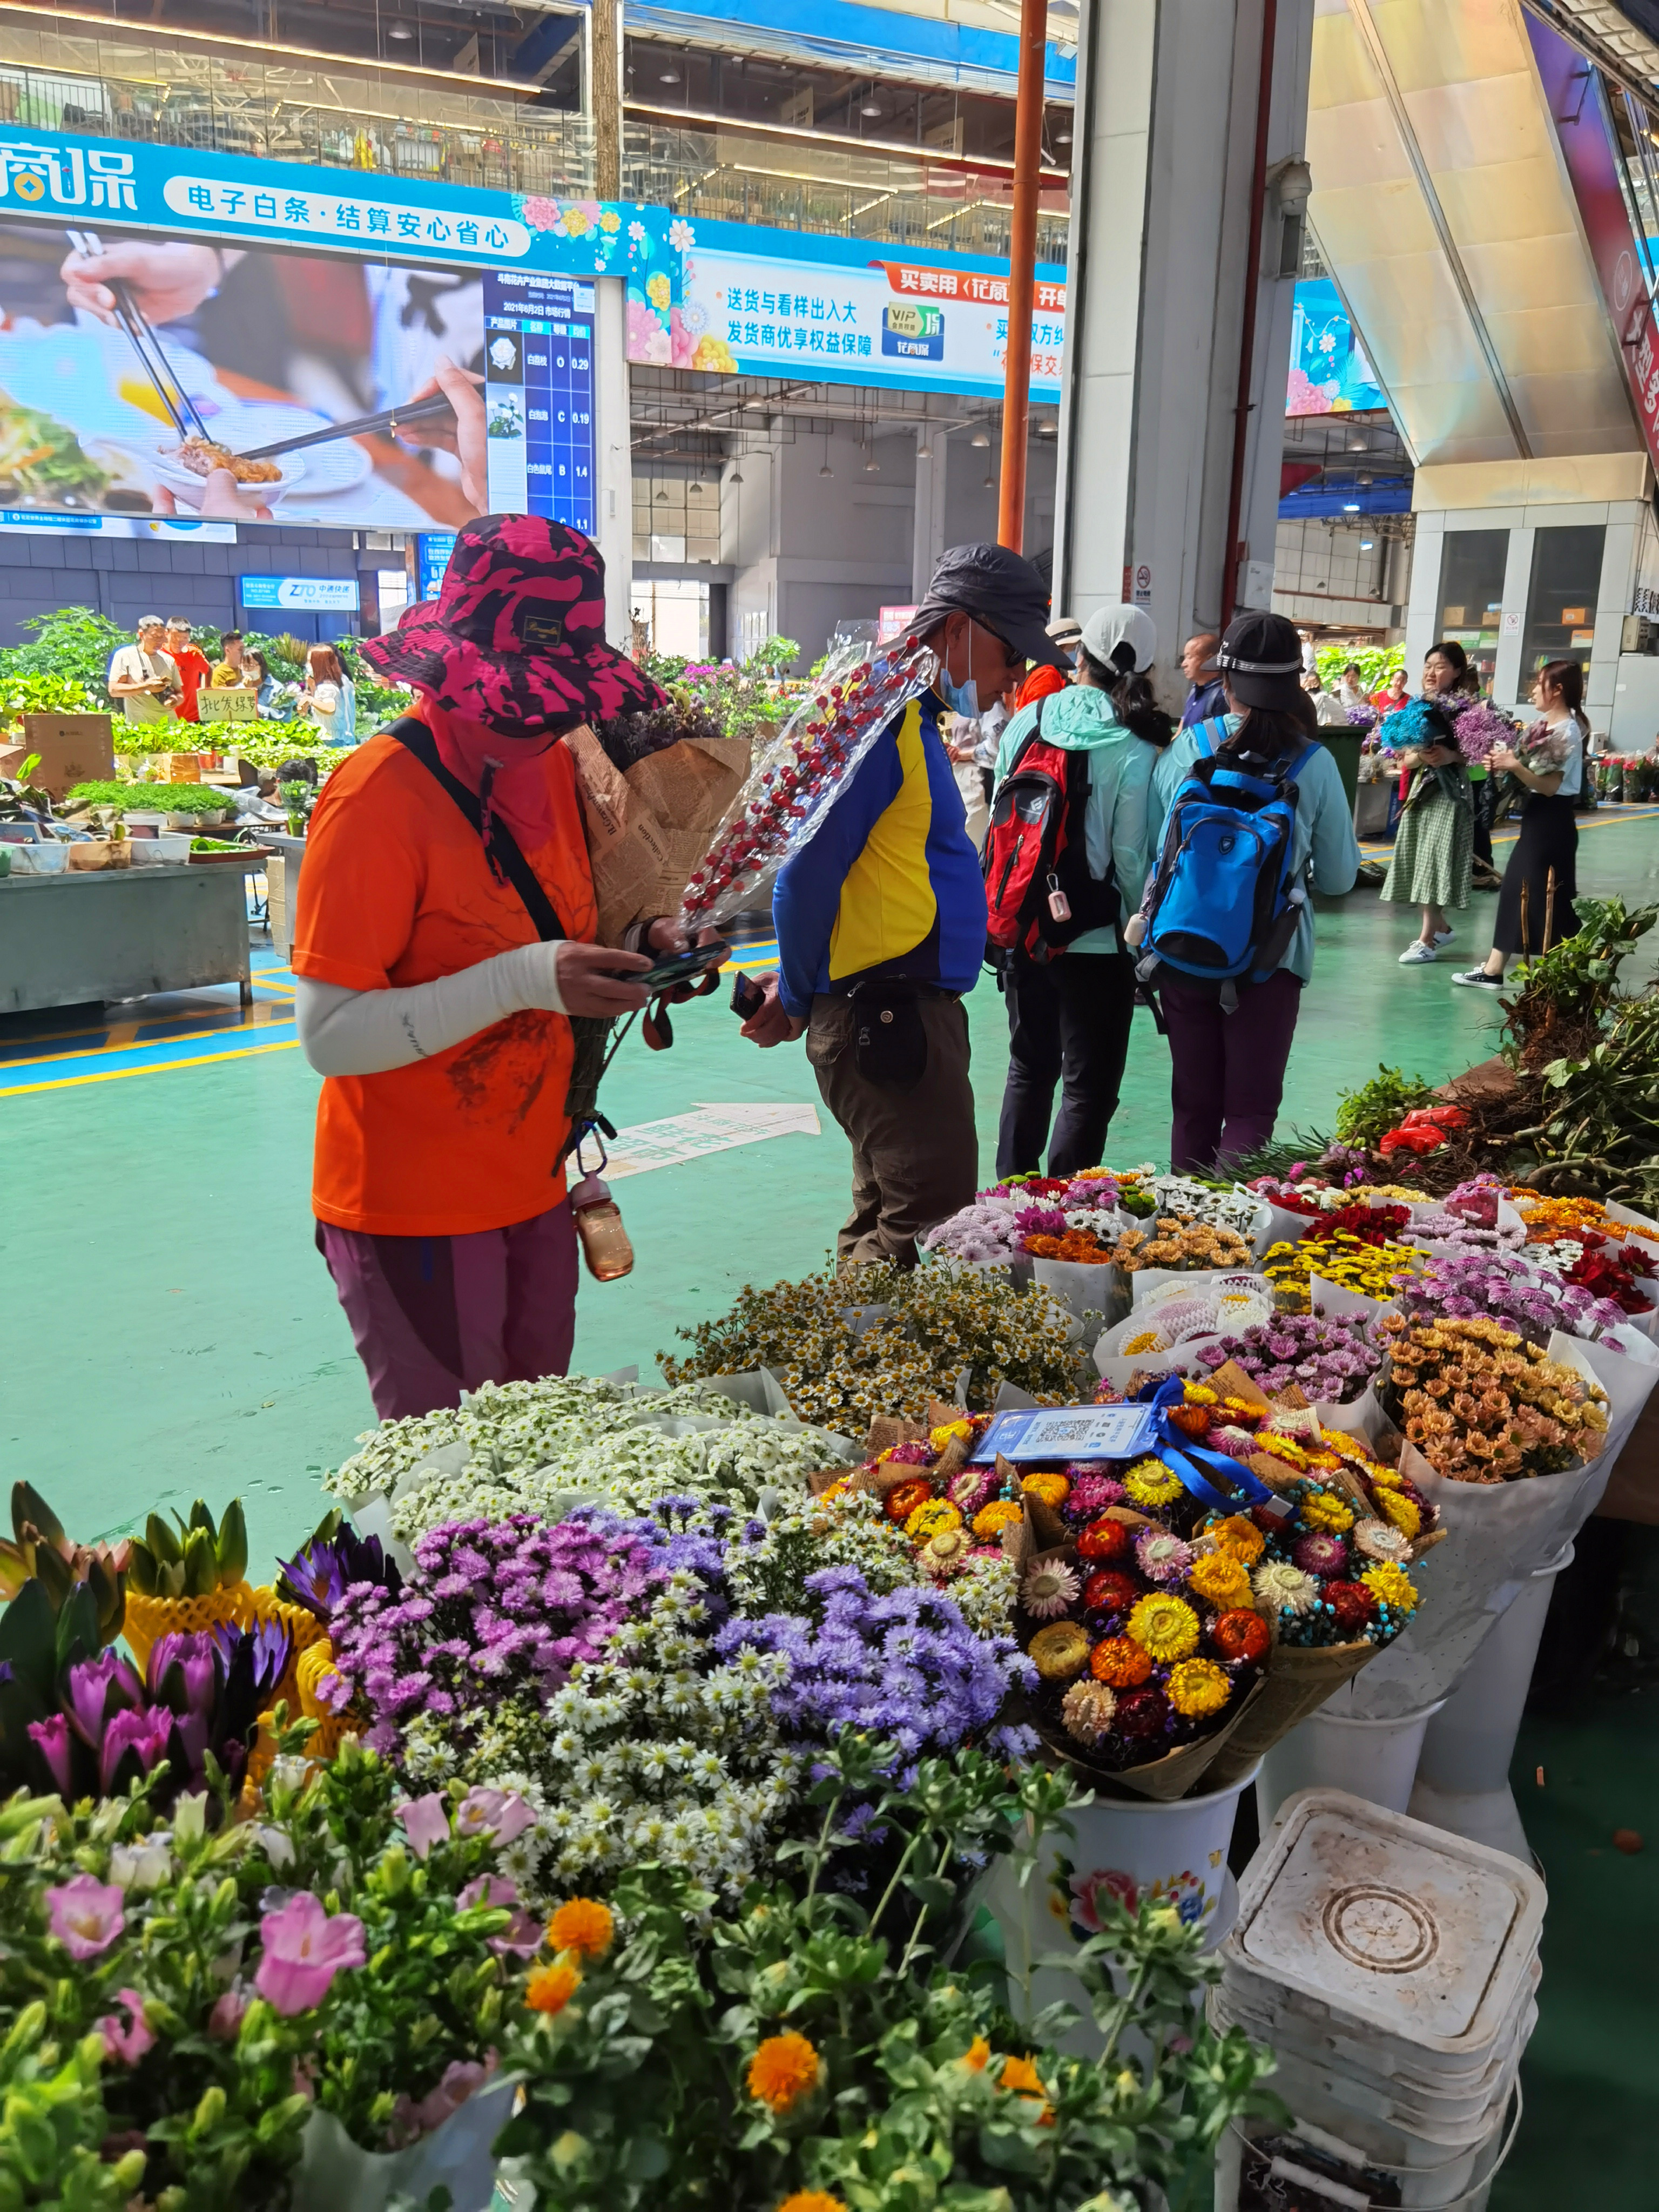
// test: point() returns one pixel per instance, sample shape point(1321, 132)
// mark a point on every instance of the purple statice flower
point(492, 1607)
point(904, 1666)
point(1478, 727)
point(1362, 718)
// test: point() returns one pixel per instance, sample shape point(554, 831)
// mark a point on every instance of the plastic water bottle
point(600, 1224)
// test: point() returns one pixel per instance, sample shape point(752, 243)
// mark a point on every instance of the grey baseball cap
point(1000, 590)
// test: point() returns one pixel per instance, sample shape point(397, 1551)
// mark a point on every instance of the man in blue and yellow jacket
point(881, 921)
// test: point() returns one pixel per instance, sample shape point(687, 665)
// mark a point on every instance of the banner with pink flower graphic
point(740, 301)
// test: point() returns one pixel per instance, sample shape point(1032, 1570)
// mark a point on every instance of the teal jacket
point(1324, 826)
point(1079, 719)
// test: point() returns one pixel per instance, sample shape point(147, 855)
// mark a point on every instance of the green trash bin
point(1344, 748)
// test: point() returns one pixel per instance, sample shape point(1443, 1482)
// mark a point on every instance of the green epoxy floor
point(171, 1331)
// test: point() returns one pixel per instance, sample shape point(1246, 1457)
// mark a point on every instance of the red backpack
point(1039, 894)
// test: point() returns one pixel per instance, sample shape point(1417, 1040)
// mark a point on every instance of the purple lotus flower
point(144, 1732)
point(96, 1688)
point(52, 1737)
point(319, 1577)
point(194, 1665)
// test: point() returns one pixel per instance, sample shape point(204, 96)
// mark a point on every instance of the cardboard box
point(73, 749)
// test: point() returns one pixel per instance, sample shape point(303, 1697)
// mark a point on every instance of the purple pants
point(432, 1317)
point(1228, 1069)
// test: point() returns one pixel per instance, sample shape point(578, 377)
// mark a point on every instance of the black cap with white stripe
point(1260, 658)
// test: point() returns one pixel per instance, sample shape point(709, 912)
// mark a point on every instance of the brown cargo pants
point(915, 1151)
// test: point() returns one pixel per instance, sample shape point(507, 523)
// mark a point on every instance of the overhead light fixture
point(1062, 137)
point(990, 484)
point(735, 476)
point(663, 496)
point(870, 107)
point(1352, 507)
point(826, 470)
point(980, 439)
point(1365, 480)
point(1048, 429)
point(872, 466)
point(697, 488)
point(400, 31)
point(1368, 544)
point(755, 406)
point(669, 76)
point(924, 452)
point(1357, 442)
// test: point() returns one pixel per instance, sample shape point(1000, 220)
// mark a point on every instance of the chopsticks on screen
point(141, 335)
point(419, 410)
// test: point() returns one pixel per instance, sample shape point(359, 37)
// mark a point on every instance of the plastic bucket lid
point(1417, 1942)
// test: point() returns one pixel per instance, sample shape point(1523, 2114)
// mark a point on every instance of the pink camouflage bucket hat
point(516, 637)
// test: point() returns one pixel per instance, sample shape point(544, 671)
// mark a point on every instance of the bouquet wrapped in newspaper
point(800, 774)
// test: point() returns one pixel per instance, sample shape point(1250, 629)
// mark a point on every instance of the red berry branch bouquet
point(801, 771)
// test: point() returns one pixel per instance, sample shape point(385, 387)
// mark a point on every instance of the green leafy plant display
point(1377, 664)
point(150, 797)
point(811, 2050)
point(1367, 1114)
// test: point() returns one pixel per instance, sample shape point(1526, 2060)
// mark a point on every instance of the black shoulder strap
point(508, 862)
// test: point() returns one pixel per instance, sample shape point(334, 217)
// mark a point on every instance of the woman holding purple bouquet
point(1536, 909)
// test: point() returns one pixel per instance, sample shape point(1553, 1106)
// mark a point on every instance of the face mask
point(961, 698)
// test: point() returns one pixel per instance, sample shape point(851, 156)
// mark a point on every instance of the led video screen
point(143, 374)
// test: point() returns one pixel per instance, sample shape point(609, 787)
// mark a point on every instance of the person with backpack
point(442, 943)
point(1247, 815)
point(1068, 831)
point(880, 920)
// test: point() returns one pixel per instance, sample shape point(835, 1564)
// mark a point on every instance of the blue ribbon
point(1188, 1460)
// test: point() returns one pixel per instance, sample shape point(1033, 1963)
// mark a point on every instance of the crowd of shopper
point(1036, 805)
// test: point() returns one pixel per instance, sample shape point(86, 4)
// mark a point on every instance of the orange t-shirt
point(395, 890)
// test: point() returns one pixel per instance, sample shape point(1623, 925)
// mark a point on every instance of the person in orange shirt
point(444, 936)
point(194, 667)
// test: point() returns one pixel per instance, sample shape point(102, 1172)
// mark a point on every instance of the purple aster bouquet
point(491, 1608)
point(1329, 1357)
point(904, 1666)
point(1361, 718)
point(1503, 1288)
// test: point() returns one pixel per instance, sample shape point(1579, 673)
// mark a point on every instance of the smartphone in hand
point(747, 996)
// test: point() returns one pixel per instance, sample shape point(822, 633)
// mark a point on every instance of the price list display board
point(538, 396)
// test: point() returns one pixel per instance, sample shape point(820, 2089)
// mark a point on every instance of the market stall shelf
point(68, 940)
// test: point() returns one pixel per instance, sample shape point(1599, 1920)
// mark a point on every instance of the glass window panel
point(1471, 602)
point(1566, 583)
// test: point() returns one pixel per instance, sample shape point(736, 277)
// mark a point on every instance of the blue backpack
point(1224, 905)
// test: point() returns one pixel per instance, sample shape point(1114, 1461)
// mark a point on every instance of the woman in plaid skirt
point(1434, 846)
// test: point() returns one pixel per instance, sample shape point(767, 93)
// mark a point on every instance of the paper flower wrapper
point(800, 774)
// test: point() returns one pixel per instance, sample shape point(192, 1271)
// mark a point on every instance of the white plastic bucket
point(1138, 1850)
point(1468, 1745)
point(1376, 1759)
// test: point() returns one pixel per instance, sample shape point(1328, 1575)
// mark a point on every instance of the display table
point(120, 934)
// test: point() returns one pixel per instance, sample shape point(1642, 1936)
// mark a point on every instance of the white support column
point(927, 541)
point(613, 499)
point(1164, 160)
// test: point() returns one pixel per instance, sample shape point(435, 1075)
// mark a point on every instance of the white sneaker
point(1444, 936)
point(1418, 955)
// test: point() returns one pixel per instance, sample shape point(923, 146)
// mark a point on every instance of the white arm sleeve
point(345, 1032)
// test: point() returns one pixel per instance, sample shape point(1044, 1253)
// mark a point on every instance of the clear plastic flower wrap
point(799, 773)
